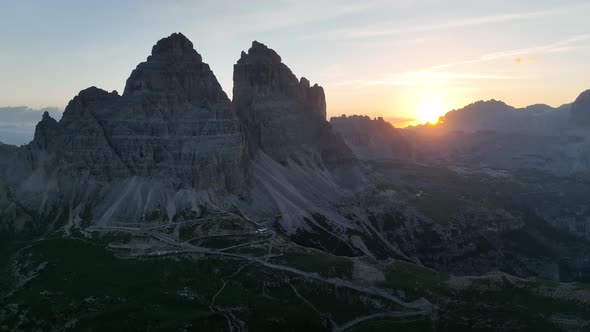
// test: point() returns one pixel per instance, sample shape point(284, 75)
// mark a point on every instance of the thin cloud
point(287, 13)
point(461, 22)
point(443, 75)
point(374, 82)
point(564, 45)
point(427, 78)
point(385, 30)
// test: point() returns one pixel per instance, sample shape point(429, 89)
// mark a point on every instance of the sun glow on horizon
point(430, 107)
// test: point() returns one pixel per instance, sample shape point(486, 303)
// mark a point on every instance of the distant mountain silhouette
point(581, 109)
point(372, 139)
point(496, 115)
point(501, 136)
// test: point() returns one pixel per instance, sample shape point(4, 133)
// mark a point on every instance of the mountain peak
point(45, 130)
point(583, 97)
point(491, 105)
point(176, 69)
point(280, 113)
point(259, 54)
point(580, 111)
point(94, 93)
point(492, 102)
point(175, 46)
point(46, 116)
point(257, 44)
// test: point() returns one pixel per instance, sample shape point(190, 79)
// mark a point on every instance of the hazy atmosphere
point(314, 166)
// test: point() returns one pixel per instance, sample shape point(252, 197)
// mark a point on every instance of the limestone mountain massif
point(174, 141)
point(173, 122)
point(173, 145)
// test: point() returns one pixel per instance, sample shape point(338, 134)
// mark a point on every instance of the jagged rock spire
point(45, 130)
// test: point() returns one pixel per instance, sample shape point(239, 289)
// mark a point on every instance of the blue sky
point(400, 59)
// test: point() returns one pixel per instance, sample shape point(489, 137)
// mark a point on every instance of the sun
point(430, 108)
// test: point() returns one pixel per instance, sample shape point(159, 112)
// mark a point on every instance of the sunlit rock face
point(371, 139)
point(172, 123)
point(282, 115)
point(580, 113)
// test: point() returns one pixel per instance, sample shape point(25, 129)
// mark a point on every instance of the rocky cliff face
point(282, 115)
point(298, 164)
point(372, 139)
point(173, 123)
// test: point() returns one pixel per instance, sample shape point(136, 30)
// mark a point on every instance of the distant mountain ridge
point(498, 116)
point(555, 140)
point(372, 139)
